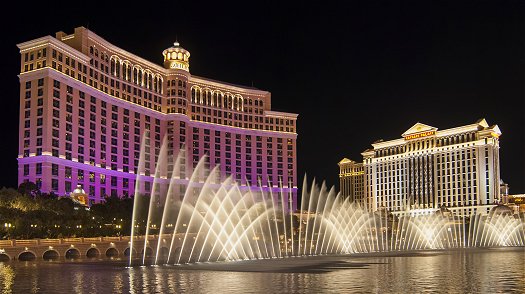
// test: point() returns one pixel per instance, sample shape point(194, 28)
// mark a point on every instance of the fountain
point(222, 222)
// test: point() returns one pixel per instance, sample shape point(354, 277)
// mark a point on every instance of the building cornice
point(206, 82)
point(48, 40)
point(280, 114)
point(475, 127)
point(386, 144)
point(458, 130)
point(110, 47)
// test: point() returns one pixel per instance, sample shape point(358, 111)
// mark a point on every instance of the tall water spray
point(213, 220)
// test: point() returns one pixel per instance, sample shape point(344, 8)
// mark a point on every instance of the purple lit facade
point(85, 105)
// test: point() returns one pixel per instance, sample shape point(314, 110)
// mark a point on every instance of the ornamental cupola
point(177, 57)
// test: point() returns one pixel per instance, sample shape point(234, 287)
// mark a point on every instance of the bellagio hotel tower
point(88, 107)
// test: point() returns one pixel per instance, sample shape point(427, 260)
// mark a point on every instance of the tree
point(29, 189)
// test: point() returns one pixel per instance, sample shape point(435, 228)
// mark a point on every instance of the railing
point(5, 243)
point(94, 239)
point(26, 242)
point(47, 242)
point(73, 240)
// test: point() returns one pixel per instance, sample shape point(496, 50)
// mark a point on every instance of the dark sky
point(354, 73)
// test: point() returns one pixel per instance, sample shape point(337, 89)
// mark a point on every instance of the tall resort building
point(88, 107)
point(427, 169)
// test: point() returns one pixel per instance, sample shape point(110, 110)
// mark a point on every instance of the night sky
point(354, 74)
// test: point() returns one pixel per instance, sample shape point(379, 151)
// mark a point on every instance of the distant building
point(426, 169)
point(351, 180)
point(516, 202)
point(86, 104)
point(504, 191)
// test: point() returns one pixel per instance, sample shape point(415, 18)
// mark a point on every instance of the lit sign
point(177, 65)
point(420, 135)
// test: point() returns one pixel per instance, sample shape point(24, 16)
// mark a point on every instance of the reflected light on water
point(7, 275)
point(78, 281)
point(118, 283)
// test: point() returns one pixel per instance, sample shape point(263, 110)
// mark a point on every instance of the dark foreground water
point(464, 271)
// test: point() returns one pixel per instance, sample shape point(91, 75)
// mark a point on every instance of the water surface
point(462, 271)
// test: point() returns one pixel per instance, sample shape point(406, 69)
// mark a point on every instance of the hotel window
point(39, 168)
point(54, 184)
point(147, 186)
point(80, 174)
point(54, 169)
point(56, 103)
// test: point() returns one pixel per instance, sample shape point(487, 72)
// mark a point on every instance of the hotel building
point(426, 169)
point(86, 105)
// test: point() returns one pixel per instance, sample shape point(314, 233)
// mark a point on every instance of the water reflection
point(78, 281)
point(7, 276)
point(132, 278)
point(462, 271)
point(118, 282)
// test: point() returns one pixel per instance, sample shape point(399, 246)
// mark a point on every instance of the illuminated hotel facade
point(85, 106)
point(427, 169)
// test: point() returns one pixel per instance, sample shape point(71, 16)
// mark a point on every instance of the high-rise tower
point(86, 104)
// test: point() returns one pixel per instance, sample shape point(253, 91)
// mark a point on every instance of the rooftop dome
point(79, 196)
point(176, 57)
point(78, 190)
